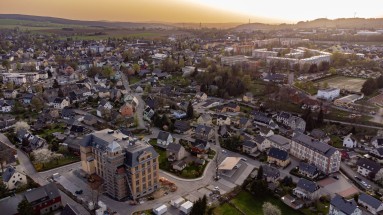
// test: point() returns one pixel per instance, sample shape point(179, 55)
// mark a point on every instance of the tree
point(55, 84)
point(379, 82)
point(3, 189)
point(25, 208)
point(21, 125)
point(320, 118)
point(6, 64)
point(260, 173)
point(136, 68)
point(108, 72)
point(93, 71)
point(369, 87)
point(44, 155)
point(36, 103)
point(190, 110)
point(10, 85)
point(18, 108)
point(332, 71)
point(247, 81)
point(148, 88)
point(60, 93)
point(199, 207)
point(270, 209)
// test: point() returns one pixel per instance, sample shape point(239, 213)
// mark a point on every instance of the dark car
point(357, 178)
point(78, 192)
point(335, 177)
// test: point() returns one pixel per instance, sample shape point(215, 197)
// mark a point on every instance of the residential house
point(90, 120)
point(60, 103)
point(175, 152)
point(148, 113)
point(200, 146)
point(6, 106)
point(204, 133)
point(297, 123)
point(341, 206)
point(27, 98)
point(320, 135)
point(126, 110)
point(278, 157)
point(377, 152)
point(270, 173)
point(265, 131)
point(13, 178)
point(306, 189)
point(106, 104)
point(131, 100)
point(280, 142)
point(230, 107)
point(322, 155)
point(261, 119)
point(262, 143)
point(349, 141)
point(67, 113)
point(367, 167)
point(10, 94)
point(249, 147)
point(201, 96)
point(248, 97)
point(377, 142)
point(44, 199)
point(283, 117)
point(308, 170)
point(223, 120)
point(372, 204)
point(223, 131)
point(164, 139)
point(179, 114)
point(179, 165)
point(182, 127)
point(205, 119)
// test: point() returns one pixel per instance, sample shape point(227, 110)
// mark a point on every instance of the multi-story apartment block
point(232, 60)
point(263, 53)
point(129, 167)
point(326, 158)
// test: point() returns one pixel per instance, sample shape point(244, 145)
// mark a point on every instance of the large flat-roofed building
point(263, 53)
point(328, 93)
point(128, 166)
point(232, 60)
point(347, 100)
point(325, 157)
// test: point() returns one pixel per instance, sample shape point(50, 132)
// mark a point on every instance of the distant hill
point(102, 24)
point(358, 23)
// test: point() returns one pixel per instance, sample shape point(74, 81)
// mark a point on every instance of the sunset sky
point(177, 11)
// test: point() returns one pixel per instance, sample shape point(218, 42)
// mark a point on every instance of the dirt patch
point(326, 182)
point(349, 192)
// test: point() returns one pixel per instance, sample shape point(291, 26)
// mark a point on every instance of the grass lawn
point(257, 88)
point(250, 205)
point(60, 127)
point(134, 79)
point(226, 209)
point(54, 164)
point(336, 141)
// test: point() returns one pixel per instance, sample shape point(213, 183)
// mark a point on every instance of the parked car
point(335, 177)
point(78, 192)
point(357, 178)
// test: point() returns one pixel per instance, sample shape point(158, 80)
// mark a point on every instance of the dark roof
point(269, 171)
point(8, 172)
point(278, 154)
point(284, 115)
point(307, 185)
point(77, 128)
point(174, 147)
point(249, 143)
point(50, 190)
point(58, 100)
point(346, 206)
point(259, 139)
point(373, 202)
point(315, 145)
point(200, 144)
point(163, 135)
point(368, 164)
point(202, 129)
point(182, 125)
point(261, 117)
point(309, 168)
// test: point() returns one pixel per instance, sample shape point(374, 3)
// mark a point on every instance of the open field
point(342, 82)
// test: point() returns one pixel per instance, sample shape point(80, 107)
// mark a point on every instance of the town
point(195, 121)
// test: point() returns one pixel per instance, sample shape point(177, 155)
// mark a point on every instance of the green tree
point(108, 72)
point(55, 84)
point(260, 173)
point(93, 71)
point(6, 64)
point(136, 68)
point(379, 82)
point(25, 208)
point(36, 103)
point(369, 87)
point(320, 118)
point(3, 190)
point(190, 111)
point(10, 85)
point(247, 81)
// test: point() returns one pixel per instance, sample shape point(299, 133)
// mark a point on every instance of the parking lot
point(341, 186)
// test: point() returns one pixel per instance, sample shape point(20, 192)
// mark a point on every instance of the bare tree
point(270, 209)
point(21, 126)
point(45, 155)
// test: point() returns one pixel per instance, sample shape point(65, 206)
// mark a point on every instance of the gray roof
point(307, 185)
point(8, 172)
point(163, 135)
point(202, 129)
point(346, 206)
point(270, 171)
point(278, 154)
point(174, 147)
point(315, 145)
point(368, 164)
point(249, 143)
point(278, 139)
point(50, 190)
point(259, 139)
point(309, 168)
point(373, 202)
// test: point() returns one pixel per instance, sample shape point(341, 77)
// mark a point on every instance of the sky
point(208, 11)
